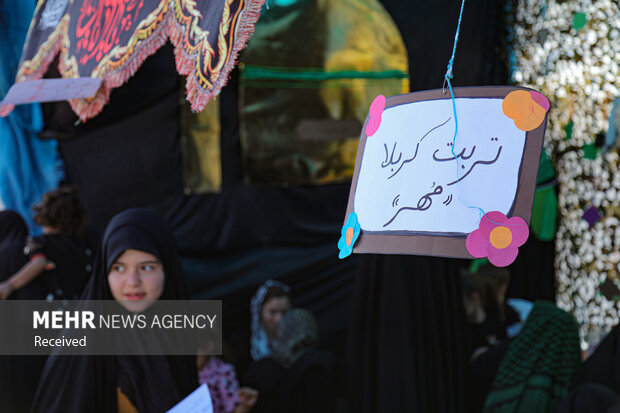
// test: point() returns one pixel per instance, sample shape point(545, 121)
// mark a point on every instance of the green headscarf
point(538, 369)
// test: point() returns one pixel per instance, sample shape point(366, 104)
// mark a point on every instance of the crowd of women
point(523, 357)
point(274, 368)
point(526, 357)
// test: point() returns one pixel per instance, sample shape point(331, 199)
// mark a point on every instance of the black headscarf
point(142, 230)
point(152, 383)
point(13, 229)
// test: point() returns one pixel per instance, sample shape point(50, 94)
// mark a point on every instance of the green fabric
point(590, 151)
point(252, 72)
point(476, 264)
point(545, 206)
point(538, 369)
point(579, 21)
point(568, 130)
point(544, 213)
point(545, 169)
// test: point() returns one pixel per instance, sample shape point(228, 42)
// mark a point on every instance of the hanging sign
point(419, 189)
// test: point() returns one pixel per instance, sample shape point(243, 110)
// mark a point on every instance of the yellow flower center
point(349, 236)
point(500, 237)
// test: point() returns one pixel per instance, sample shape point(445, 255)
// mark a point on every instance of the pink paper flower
point(498, 238)
point(375, 114)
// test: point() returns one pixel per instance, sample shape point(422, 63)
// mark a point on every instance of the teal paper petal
point(346, 250)
point(344, 253)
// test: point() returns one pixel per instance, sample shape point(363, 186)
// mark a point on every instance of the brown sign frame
point(449, 245)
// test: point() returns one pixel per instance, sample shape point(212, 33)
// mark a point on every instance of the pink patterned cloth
point(222, 381)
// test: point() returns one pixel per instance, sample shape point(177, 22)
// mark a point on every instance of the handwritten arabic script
point(415, 177)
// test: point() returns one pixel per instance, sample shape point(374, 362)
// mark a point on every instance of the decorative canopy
point(110, 39)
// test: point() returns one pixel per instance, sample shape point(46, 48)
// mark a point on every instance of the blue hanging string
point(448, 75)
point(447, 78)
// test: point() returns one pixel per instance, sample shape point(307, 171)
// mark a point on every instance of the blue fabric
point(29, 166)
point(614, 125)
point(523, 307)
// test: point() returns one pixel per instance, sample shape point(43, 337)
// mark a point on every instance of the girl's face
point(272, 313)
point(136, 280)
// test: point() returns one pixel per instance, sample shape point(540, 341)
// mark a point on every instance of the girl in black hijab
point(110, 384)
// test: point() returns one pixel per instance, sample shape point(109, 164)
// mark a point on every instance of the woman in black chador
point(297, 377)
point(136, 265)
point(18, 374)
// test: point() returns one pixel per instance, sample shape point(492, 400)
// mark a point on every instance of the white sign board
point(419, 189)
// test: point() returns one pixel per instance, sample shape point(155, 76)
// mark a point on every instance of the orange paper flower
point(526, 108)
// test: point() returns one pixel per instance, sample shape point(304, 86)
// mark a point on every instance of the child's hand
point(247, 396)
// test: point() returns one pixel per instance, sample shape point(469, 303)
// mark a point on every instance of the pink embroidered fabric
point(222, 381)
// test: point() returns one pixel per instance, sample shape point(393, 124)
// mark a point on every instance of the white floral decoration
point(579, 71)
